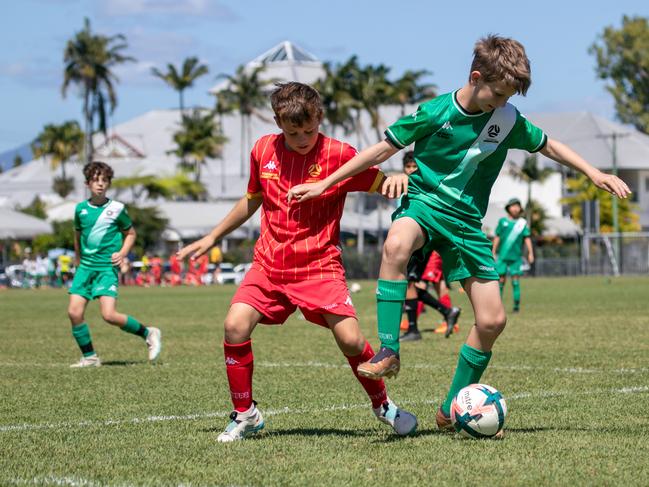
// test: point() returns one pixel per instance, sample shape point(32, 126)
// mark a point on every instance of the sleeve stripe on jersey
point(544, 140)
point(253, 196)
point(393, 139)
point(376, 183)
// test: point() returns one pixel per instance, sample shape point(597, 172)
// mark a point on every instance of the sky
point(410, 34)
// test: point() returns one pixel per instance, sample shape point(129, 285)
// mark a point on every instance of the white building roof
point(285, 62)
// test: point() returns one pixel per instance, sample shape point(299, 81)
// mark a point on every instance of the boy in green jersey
point(461, 141)
point(511, 233)
point(104, 235)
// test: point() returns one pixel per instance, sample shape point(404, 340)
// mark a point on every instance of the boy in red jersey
point(297, 259)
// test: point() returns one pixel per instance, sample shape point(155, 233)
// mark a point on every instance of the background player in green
point(511, 233)
point(104, 235)
point(461, 141)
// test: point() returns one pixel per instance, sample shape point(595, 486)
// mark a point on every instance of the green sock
point(390, 296)
point(81, 334)
point(470, 365)
point(516, 286)
point(135, 327)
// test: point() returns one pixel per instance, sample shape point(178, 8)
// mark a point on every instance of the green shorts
point(92, 283)
point(465, 249)
point(511, 267)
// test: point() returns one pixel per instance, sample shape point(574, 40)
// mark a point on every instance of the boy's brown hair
point(296, 103)
point(96, 168)
point(502, 59)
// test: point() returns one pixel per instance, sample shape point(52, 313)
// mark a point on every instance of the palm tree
point(178, 186)
point(582, 190)
point(336, 101)
point(407, 90)
point(59, 143)
point(199, 139)
point(89, 59)
point(530, 173)
point(183, 78)
point(246, 93)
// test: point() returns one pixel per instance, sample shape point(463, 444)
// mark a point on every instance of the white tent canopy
point(16, 225)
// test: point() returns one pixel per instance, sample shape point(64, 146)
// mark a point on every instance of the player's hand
point(117, 258)
point(530, 259)
point(196, 249)
point(612, 184)
point(395, 186)
point(304, 192)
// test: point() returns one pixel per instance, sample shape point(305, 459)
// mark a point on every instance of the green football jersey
point(459, 154)
point(100, 228)
point(511, 233)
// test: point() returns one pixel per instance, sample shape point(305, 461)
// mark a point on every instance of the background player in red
point(297, 259)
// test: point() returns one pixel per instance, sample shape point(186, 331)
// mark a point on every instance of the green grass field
point(573, 366)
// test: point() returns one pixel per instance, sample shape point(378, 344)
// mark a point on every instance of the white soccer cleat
point(402, 422)
point(154, 342)
point(243, 425)
point(91, 361)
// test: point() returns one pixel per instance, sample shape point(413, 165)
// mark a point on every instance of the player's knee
point(110, 317)
point(493, 324)
point(396, 250)
point(233, 331)
point(75, 314)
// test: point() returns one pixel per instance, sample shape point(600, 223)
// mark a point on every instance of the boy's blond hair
point(502, 59)
point(296, 103)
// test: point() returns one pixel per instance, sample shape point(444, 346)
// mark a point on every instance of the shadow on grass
point(124, 363)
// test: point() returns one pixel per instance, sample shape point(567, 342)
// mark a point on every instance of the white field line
point(60, 481)
point(326, 365)
point(286, 410)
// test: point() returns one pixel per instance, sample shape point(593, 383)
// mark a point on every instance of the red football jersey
point(301, 240)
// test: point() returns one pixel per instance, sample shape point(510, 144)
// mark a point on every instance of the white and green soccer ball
point(478, 411)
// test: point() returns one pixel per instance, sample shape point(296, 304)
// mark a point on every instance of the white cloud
point(187, 8)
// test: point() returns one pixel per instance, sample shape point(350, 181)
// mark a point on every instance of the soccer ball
point(478, 411)
point(355, 287)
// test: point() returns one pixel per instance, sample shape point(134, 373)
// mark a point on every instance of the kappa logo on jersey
point(83, 212)
point(231, 361)
point(271, 165)
point(270, 170)
point(445, 131)
point(109, 212)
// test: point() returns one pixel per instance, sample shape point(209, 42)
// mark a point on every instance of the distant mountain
point(7, 158)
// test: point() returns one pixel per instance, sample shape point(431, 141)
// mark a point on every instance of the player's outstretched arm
point(563, 154)
point(239, 214)
point(369, 157)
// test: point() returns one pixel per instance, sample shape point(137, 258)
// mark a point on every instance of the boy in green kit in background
point(104, 235)
point(461, 142)
point(511, 233)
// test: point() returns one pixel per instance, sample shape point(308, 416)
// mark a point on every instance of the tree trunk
point(182, 104)
point(88, 125)
point(243, 145)
point(529, 204)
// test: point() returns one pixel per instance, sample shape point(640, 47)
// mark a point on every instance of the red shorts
point(276, 301)
point(433, 270)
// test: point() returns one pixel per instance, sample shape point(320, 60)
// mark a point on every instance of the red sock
point(445, 300)
point(420, 308)
point(375, 388)
point(239, 364)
